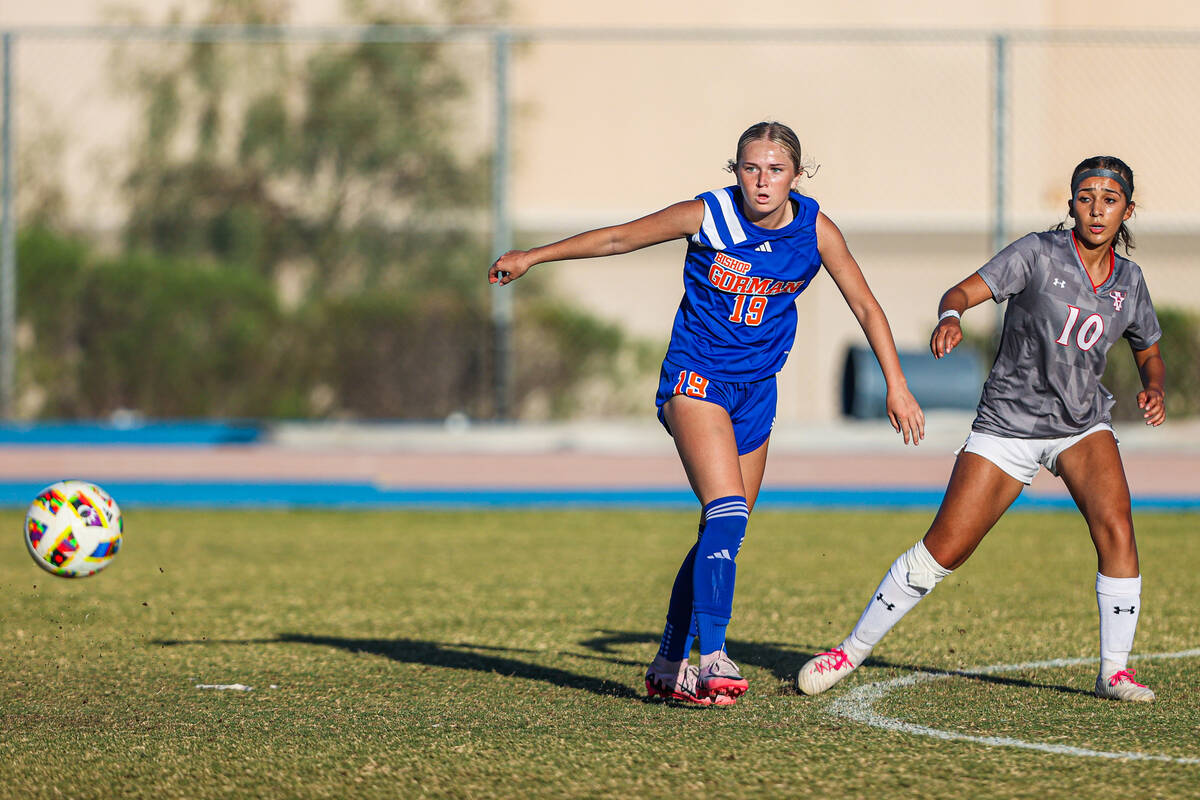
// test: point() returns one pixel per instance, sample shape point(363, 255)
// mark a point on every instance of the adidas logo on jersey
point(765, 247)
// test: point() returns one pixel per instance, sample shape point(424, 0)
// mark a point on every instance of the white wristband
point(949, 312)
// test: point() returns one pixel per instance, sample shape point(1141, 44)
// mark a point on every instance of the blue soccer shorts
point(751, 406)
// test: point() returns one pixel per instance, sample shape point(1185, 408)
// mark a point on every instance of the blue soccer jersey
point(737, 319)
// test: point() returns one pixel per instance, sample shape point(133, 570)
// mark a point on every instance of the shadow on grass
point(784, 660)
point(439, 654)
point(998, 680)
point(781, 659)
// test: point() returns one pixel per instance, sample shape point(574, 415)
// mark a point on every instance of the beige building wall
point(607, 130)
point(903, 134)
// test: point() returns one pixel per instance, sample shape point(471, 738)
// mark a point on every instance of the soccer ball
point(73, 529)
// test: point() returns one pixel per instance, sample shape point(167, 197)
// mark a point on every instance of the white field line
point(858, 705)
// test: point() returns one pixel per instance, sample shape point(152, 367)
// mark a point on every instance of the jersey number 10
point(1089, 332)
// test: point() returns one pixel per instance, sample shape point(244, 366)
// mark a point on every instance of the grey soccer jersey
point(1058, 329)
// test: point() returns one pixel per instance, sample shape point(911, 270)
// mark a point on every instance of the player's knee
point(1117, 523)
point(1114, 523)
point(1115, 538)
point(917, 570)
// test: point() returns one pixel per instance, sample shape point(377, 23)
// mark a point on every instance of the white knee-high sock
point(911, 576)
point(1120, 604)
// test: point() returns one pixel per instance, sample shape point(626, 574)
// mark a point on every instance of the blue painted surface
point(277, 494)
point(174, 433)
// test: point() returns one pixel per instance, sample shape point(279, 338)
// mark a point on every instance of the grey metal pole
point(8, 248)
point(1000, 142)
point(1000, 162)
point(502, 303)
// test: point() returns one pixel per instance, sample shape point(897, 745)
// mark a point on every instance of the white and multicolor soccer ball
point(73, 529)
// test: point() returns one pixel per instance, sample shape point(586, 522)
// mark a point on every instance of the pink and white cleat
point(723, 679)
point(823, 671)
point(681, 685)
point(1121, 686)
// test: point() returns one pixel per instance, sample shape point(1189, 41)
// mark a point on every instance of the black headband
point(1102, 173)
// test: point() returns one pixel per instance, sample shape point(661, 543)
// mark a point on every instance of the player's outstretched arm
point(903, 410)
point(947, 333)
point(673, 222)
point(1153, 398)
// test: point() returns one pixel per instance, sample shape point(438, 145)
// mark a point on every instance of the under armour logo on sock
point(890, 606)
point(721, 554)
point(1118, 610)
point(1059, 283)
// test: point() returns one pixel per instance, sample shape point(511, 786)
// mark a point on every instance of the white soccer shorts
point(1021, 458)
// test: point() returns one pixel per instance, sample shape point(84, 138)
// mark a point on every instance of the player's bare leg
point(707, 446)
point(978, 494)
point(704, 439)
point(1093, 473)
point(1095, 477)
point(675, 678)
point(753, 466)
point(976, 497)
point(720, 677)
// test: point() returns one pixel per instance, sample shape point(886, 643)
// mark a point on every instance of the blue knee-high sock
point(681, 622)
point(715, 569)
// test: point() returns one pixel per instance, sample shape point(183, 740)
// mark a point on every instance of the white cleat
point(1122, 686)
point(823, 671)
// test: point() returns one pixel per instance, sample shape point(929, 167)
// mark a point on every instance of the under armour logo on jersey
point(1060, 284)
point(721, 554)
point(890, 606)
point(1118, 299)
point(1119, 610)
point(765, 247)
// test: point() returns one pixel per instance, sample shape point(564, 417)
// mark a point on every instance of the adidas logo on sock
point(722, 554)
point(765, 247)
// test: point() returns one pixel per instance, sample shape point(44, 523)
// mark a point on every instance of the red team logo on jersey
point(1118, 298)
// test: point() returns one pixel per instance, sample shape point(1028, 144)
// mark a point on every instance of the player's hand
point(1154, 404)
point(906, 415)
point(510, 266)
point(946, 337)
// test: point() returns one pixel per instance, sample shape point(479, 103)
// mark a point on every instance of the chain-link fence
point(303, 156)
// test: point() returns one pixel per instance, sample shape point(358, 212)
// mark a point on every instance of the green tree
point(1180, 348)
point(344, 168)
point(351, 179)
point(167, 337)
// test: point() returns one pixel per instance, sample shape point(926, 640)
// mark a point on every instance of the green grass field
point(501, 654)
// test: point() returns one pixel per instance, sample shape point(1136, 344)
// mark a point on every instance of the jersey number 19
point(749, 312)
